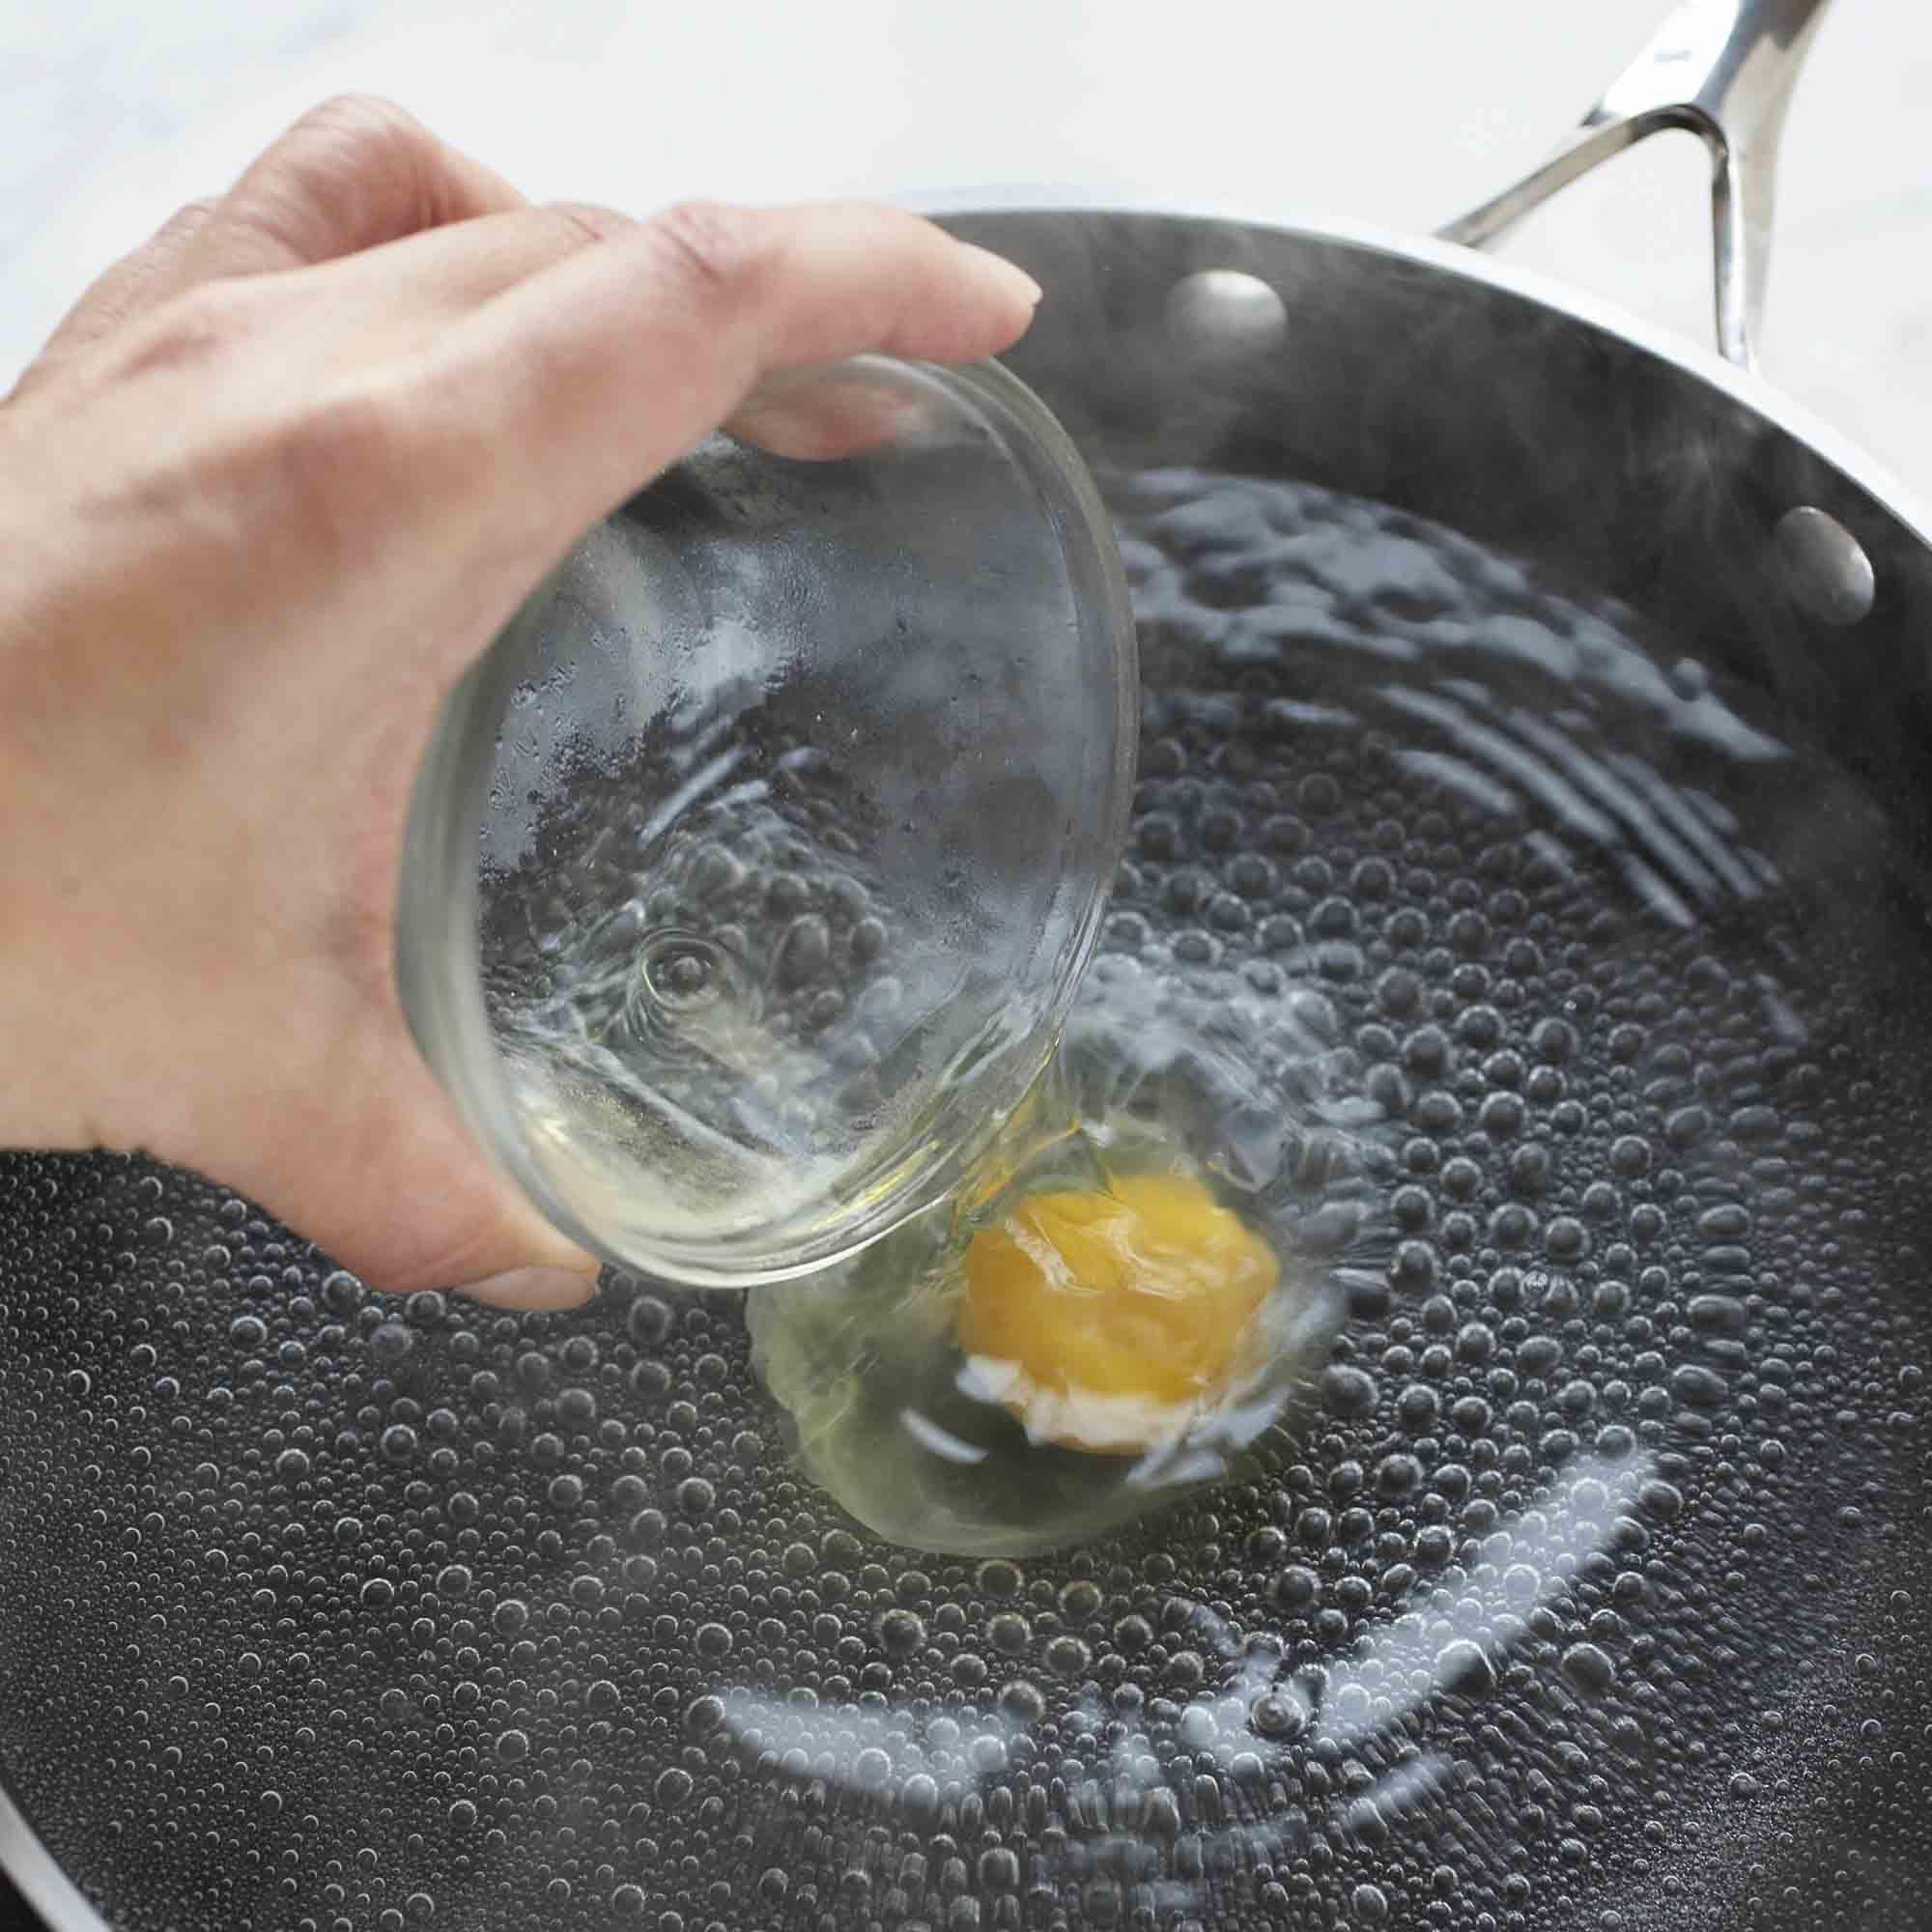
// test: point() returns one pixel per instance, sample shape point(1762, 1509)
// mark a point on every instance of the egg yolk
point(1102, 1320)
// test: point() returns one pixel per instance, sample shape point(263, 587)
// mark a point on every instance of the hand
point(275, 481)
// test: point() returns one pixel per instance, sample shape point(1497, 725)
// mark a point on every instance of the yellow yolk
point(1103, 1320)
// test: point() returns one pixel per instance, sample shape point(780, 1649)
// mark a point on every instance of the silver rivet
point(1226, 314)
point(1830, 573)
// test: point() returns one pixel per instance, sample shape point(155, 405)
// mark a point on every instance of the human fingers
point(414, 287)
point(602, 369)
point(122, 292)
point(425, 279)
point(383, 1176)
point(350, 175)
point(814, 415)
point(430, 275)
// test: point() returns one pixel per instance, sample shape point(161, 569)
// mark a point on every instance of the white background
point(1401, 112)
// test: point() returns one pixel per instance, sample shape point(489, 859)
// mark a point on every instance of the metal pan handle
point(1724, 70)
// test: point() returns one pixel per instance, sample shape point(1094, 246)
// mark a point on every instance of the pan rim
point(40, 1877)
point(1751, 391)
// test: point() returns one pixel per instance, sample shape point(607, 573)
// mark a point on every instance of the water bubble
point(703, 1716)
point(1716, 1314)
point(1295, 1586)
point(1698, 1386)
point(1068, 1656)
point(1588, 1666)
point(998, 1579)
point(1397, 1475)
point(342, 1294)
point(900, 1632)
point(1080, 1601)
point(391, 1342)
point(1466, 1668)
point(1347, 1391)
point(1277, 1714)
point(1009, 1633)
point(649, 1320)
point(804, 951)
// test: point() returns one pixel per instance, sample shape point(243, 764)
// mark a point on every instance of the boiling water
point(1591, 1594)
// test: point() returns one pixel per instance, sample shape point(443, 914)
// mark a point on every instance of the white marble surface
point(1401, 112)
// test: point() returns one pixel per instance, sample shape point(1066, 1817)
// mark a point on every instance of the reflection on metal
point(1223, 315)
point(1723, 69)
point(49, 1889)
point(1830, 573)
point(1578, 767)
point(1259, 1718)
point(1409, 1660)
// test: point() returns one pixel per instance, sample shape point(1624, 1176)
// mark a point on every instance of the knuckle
point(362, 121)
point(185, 221)
point(718, 250)
point(355, 170)
point(583, 221)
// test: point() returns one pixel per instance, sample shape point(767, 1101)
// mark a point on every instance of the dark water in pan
point(1593, 1594)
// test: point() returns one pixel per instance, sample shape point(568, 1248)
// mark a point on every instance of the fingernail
point(1010, 273)
point(534, 1287)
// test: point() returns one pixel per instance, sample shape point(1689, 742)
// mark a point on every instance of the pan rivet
point(1830, 573)
point(1225, 313)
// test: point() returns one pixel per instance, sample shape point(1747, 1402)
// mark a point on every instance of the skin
point(277, 479)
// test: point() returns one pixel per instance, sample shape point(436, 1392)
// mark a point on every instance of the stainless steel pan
point(1598, 1595)
point(1424, 375)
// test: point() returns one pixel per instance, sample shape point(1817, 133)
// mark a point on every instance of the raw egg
point(1098, 1328)
point(1107, 1319)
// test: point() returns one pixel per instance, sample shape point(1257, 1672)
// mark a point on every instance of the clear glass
point(753, 871)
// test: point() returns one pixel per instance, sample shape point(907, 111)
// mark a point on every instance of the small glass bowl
point(752, 870)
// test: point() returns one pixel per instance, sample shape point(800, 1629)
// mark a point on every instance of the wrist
point(52, 1025)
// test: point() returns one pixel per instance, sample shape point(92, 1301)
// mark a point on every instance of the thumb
point(386, 1181)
